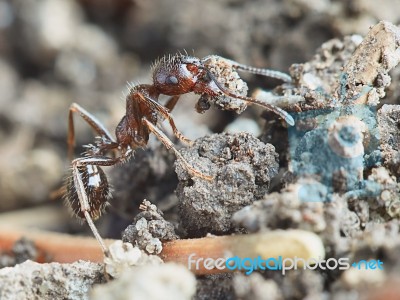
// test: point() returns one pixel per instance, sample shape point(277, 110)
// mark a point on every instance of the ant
point(87, 189)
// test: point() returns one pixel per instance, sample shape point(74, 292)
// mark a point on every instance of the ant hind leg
point(90, 119)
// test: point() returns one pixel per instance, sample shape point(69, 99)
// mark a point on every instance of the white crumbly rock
point(123, 256)
point(151, 282)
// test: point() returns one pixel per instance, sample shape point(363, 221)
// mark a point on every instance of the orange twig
point(65, 248)
point(57, 247)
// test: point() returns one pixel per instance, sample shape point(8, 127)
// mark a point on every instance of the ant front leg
point(91, 120)
point(169, 145)
point(88, 191)
point(165, 113)
point(170, 105)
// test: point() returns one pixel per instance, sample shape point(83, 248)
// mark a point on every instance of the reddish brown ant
point(87, 189)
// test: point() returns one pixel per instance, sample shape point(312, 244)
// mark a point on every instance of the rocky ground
point(334, 174)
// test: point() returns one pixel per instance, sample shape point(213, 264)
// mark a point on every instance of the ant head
point(177, 75)
point(214, 78)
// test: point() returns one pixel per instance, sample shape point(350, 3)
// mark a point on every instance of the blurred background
point(56, 52)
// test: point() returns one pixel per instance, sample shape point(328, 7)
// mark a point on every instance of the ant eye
point(171, 80)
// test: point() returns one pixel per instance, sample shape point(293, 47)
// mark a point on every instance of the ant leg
point(165, 113)
point(88, 192)
point(177, 133)
point(90, 119)
point(169, 145)
point(170, 105)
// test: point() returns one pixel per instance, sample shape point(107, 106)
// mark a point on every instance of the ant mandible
point(87, 189)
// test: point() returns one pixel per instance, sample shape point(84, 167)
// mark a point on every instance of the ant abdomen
point(96, 188)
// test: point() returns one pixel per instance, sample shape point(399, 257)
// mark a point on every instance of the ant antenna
point(264, 72)
point(283, 114)
point(258, 71)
